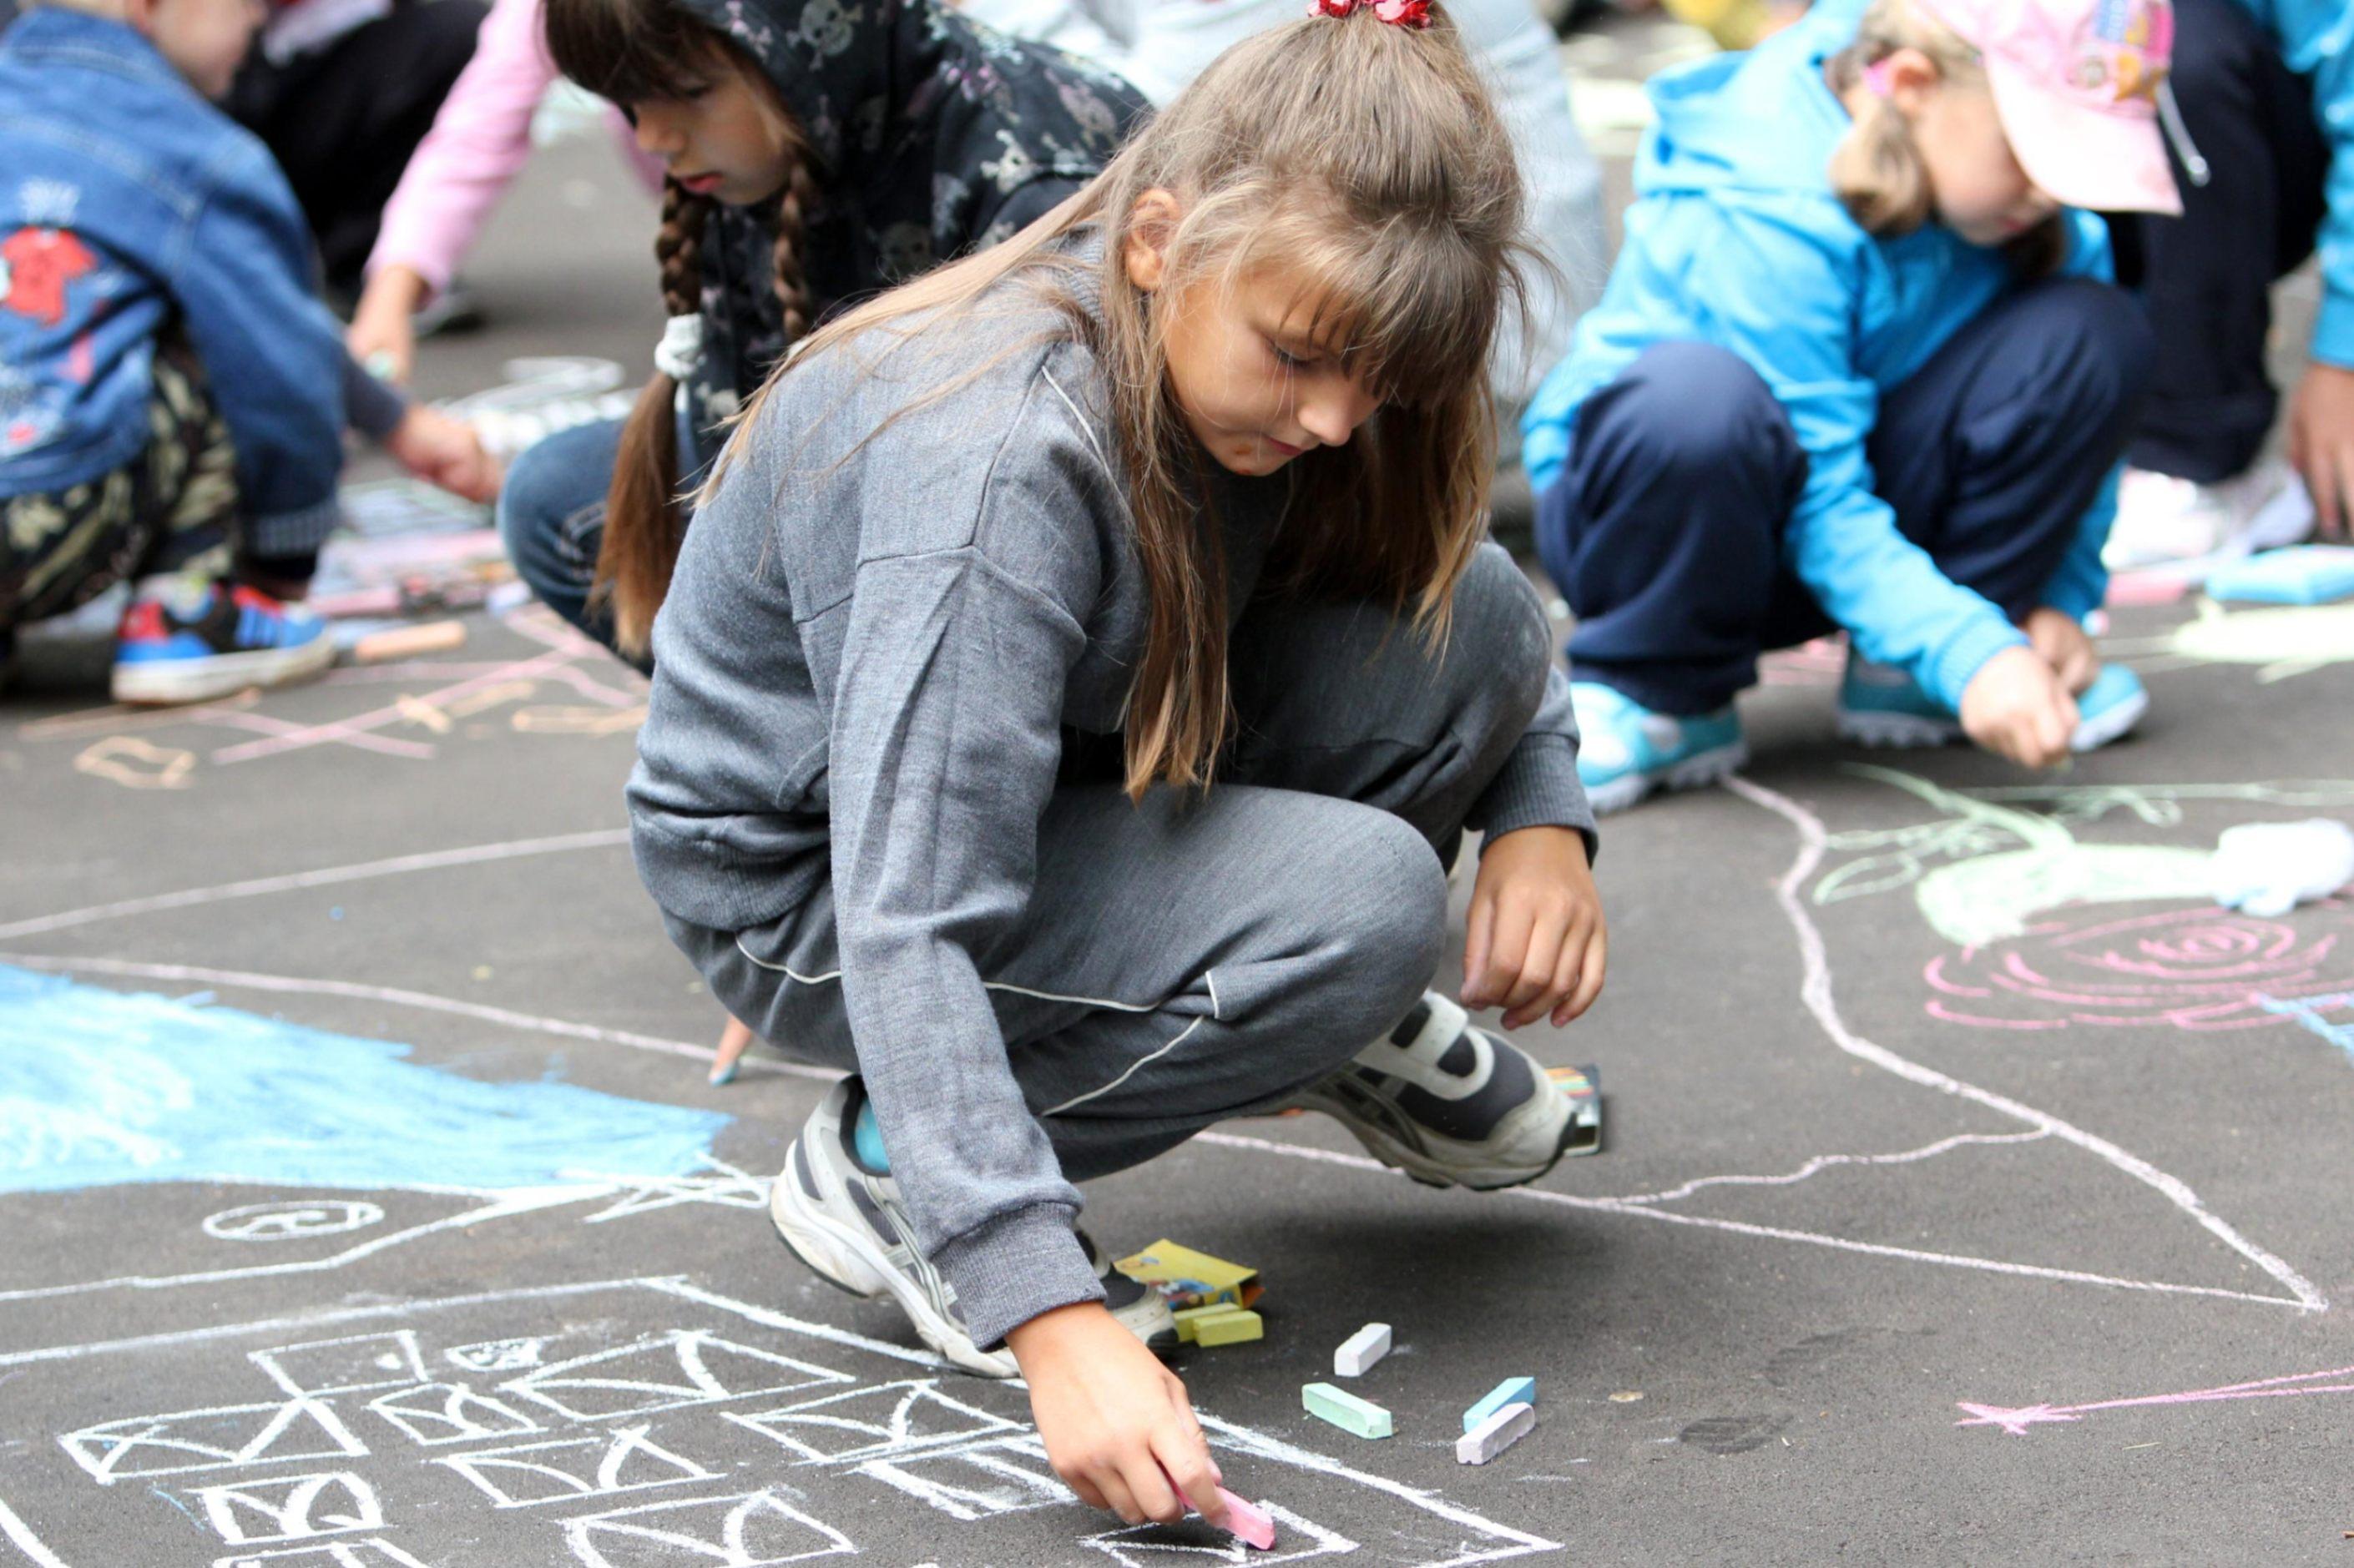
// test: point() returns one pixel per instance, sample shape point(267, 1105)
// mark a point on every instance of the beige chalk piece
point(433, 637)
point(1495, 1435)
point(576, 719)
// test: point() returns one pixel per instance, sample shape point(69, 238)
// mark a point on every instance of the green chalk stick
point(1345, 1410)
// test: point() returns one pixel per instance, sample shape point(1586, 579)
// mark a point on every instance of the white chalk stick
point(1495, 1435)
point(1361, 1350)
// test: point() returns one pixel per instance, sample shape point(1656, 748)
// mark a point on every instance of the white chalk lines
point(433, 860)
point(1816, 991)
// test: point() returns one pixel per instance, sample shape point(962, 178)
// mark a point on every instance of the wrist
point(396, 290)
point(1038, 1337)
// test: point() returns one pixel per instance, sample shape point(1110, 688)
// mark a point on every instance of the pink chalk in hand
point(1248, 1521)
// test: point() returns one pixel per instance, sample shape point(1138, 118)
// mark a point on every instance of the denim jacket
point(126, 201)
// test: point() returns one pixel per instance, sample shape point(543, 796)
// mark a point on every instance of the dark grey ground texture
point(1828, 1220)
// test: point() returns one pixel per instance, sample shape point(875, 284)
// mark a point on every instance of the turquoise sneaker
point(1883, 706)
point(2109, 708)
point(1626, 750)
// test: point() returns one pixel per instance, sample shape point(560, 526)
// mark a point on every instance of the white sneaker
point(1449, 1105)
point(2162, 519)
point(849, 1226)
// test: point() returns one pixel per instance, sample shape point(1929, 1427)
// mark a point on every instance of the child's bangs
point(629, 51)
point(1412, 310)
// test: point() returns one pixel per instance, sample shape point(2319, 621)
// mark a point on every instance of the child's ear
point(1910, 75)
point(1144, 252)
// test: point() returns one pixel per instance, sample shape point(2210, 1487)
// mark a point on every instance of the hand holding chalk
point(1247, 1523)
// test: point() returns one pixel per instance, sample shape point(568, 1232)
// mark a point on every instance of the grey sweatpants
point(1185, 961)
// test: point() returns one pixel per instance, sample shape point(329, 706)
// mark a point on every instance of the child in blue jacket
point(1858, 366)
point(173, 396)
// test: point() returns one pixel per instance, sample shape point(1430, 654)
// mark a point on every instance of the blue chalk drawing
point(2309, 1012)
point(99, 1088)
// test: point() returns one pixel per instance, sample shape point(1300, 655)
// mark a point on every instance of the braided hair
point(646, 518)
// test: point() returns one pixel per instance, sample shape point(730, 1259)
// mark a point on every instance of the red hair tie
point(1415, 14)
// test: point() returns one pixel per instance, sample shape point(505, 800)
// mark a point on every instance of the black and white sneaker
point(1449, 1105)
point(849, 1226)
point(1143, 1310)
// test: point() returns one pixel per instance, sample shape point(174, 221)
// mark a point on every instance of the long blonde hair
point(1877, 170)
point(1367, 158)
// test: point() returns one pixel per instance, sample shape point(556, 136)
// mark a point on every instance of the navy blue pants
point(2207, 275)
point(1665, 533)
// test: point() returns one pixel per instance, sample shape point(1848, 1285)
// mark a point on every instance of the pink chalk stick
point(1249, 1522)
point(1246, 1523)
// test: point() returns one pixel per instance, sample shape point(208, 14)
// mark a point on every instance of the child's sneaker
point(846, 1221)
point(2109, 708)
point(1449, 1105)
point(194, 639)
point(1626, 751)
point(2162, 519)
point(1883, 706)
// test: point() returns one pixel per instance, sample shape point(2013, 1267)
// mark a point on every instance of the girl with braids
point(1866, 372)
point(815, 153)
point(1083, 669)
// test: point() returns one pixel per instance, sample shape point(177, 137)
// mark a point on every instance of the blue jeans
point(552, 511)
point(1666, 531)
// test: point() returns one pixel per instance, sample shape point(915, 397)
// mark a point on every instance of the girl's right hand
point(381, 330)
point(2015, 706)
point(1116, 1424)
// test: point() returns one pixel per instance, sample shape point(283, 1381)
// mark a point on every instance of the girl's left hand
point(1537, 943)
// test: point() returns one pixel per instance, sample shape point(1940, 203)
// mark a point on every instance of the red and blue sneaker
point(194, 639)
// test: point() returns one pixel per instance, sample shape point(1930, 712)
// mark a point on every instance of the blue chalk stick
point(1511, 1391)
point(2301, 573)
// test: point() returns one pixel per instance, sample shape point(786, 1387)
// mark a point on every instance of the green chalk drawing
point(1984, 891)
point(2279, 643)
point(2160, 805)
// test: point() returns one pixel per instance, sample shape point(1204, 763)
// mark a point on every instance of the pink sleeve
point(480, 139)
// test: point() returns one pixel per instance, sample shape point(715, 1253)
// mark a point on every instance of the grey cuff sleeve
point(296, 533)
point(370, 407)
point(1538, 787)
point(1015, 1266)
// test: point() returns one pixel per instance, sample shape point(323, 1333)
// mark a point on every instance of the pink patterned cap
point(2077, 84)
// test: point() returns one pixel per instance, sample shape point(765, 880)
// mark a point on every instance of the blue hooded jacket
point(2316, 38)
point(1736, 239)
point(126, 201)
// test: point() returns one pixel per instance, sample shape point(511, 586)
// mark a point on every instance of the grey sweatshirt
point(863, 673)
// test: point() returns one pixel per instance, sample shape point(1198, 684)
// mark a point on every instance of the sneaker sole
point(1465, 1172)
point(2096, 733)
point(2286, 519)
point(845, 1258)
point(1695, 772)
point(161, 683)
point(1889, 731)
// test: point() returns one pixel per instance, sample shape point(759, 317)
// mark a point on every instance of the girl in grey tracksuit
point(1186, 479)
